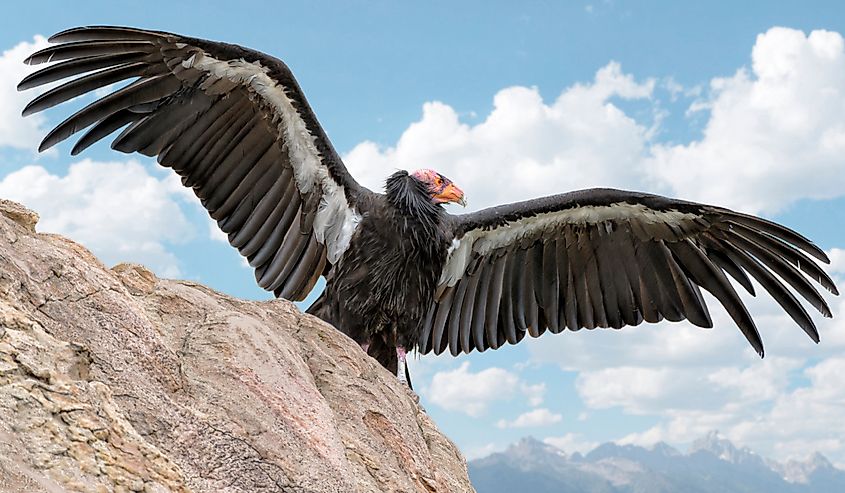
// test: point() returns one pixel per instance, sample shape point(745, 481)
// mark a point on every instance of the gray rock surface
point(115, 380)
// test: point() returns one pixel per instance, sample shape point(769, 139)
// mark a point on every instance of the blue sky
point(701, 100)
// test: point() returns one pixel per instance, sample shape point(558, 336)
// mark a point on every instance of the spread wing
point(232, 122)
point(609, 258)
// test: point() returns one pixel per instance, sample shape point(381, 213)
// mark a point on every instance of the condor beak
point(451, 193)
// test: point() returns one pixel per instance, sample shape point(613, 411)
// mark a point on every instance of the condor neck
point(410, 197)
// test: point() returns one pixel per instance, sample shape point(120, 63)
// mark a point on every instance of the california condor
point(401, 272)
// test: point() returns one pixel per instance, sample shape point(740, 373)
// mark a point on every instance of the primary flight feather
point(402, 273)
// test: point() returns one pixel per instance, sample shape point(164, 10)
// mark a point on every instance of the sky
point(740, 104)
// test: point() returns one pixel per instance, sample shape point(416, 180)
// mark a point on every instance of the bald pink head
point(442, 189)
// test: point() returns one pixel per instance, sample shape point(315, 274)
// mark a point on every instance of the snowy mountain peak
point(529, 449)
point(528, 446)
point(716, 444)
point(665, 449)
point(819, 461)
point(795, 471)
point(713, 463)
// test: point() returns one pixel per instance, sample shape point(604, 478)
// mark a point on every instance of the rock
point(19, 214)
point(115, 380)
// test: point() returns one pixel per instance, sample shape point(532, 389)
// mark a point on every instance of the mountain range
point(712, 464)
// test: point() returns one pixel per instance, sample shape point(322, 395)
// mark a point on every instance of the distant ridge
point(712, 463)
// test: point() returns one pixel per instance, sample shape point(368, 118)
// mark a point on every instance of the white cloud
point(535, 148)
point(761, 381)
point(531, 419)
point(776, 132)
point(477, 452)
point(535, 393)
point(820, 404)
point(646, 438)
point(117, 209)
point(637, 390)
point(571, 442)
point(792, 425)
point(472, 393)
point(17, 132)
point(678, 390)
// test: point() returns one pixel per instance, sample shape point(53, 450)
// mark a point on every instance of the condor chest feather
point(394, 261)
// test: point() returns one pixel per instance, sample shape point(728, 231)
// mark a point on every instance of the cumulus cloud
point(534, 392)
point(117, 209)
point(533, 147)
point(477, 452)
point(531, 419)
point(791, 425)
point(728, 389)
point(637, 390)
point(775, 133)
point(472, 393)
point(785, 428)
point(640, 390)
point(17, 132)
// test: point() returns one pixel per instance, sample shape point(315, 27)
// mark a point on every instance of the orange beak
point(450, 193)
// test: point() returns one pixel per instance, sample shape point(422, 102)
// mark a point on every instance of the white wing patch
point(336, 221)
point(483, 242)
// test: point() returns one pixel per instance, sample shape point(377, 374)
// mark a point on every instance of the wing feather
point(478, 320)
point(438, 342)
point(84, 84)
point(785, 252)
point(530, 282)
point(231, 121)
point(508, 296)
point(104, 128)
point(491, 316)
point(785, 270)
point(467, 339)
point(713, 279)
point(76, 66)
point(609, 258)
point(268, 247)
point(550, 287)
point(456, 336)
point(81, 49)
point(566, 286)
point(778, 291)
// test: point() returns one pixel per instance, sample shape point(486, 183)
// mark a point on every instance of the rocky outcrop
point(115, 380)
